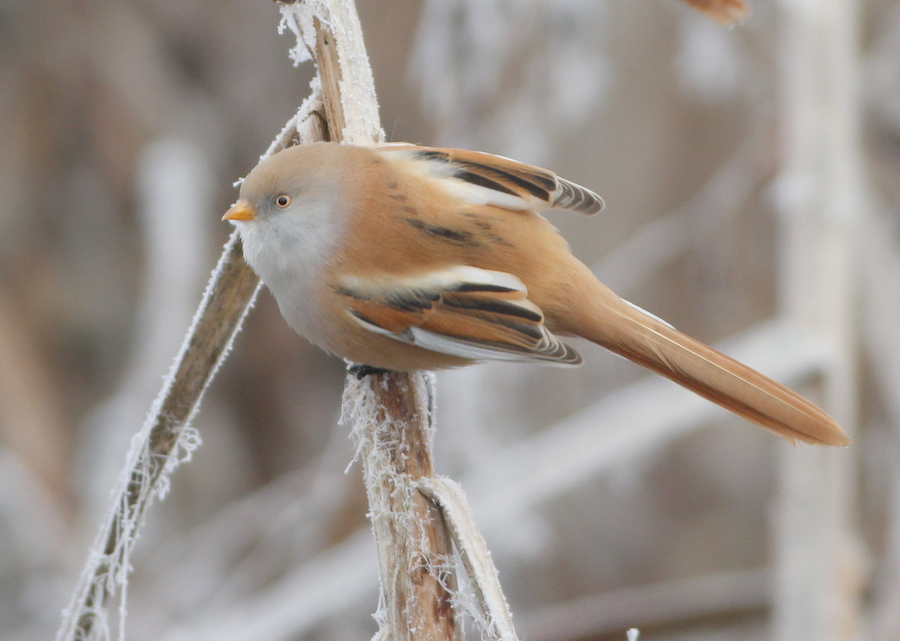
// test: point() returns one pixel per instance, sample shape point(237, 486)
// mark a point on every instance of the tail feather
point(645, 340)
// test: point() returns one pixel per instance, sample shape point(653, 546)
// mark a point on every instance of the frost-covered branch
point(390, 412)
point(166, 439)
point(417, 517)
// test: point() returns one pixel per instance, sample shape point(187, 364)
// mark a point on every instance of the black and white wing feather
point(462, 311)
point(486, 179)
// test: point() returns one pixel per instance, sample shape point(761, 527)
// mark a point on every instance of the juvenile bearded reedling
point(725, 12)
point(404, 258)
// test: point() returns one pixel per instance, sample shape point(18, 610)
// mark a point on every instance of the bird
point(401, 257)
point(725, 12)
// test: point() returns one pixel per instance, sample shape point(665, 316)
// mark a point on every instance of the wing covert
point(465, 311)
point(482, 178)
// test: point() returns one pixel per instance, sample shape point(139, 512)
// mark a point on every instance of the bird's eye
point(283, 200)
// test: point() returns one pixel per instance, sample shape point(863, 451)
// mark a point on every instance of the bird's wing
point(485, 179)
point(462, 311)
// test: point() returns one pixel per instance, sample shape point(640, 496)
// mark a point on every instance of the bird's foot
point(361, 371)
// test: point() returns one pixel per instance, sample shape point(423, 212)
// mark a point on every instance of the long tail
point(641, 338)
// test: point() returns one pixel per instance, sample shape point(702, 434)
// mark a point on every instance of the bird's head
point(282, 183)
point(291, 203)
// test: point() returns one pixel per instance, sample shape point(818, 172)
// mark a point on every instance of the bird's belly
point(300, 309)
point(362, 346)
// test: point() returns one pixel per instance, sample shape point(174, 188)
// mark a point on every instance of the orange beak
point(241, 210)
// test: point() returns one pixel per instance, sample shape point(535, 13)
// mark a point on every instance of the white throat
point(290, 251)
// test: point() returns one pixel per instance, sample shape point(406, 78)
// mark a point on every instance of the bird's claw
point(361, 371)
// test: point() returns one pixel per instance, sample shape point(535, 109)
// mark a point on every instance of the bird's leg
point(360, 371)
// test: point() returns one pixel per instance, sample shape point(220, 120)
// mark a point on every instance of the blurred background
point(751, 182)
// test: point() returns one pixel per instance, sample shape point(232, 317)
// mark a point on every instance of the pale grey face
point(302, 233)
point(291, 218)
point(290, 212)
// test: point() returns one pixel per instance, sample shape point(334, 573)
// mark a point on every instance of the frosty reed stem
point(155, 449)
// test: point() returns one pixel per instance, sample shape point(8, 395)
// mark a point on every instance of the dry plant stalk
point(417, 517)
point(392, 425)
point(157, 449)
point(166, 438)
point(821, 568)
point(391, 411)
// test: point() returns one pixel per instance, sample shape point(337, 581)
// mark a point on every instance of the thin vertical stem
point(392, 422)
point(390, 411)
point(818, 571)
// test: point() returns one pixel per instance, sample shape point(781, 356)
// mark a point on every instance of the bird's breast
point(294, 267)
